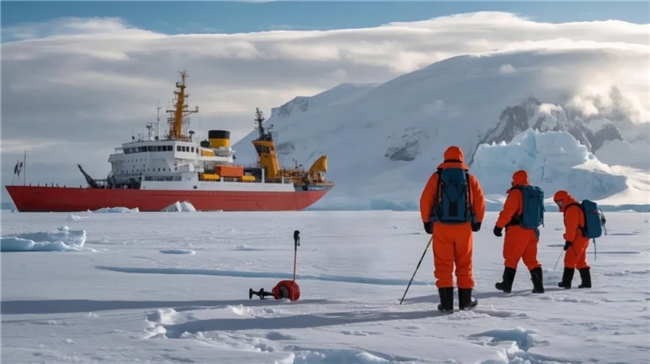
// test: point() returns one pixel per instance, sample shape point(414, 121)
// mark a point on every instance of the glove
point(476, 226)
point(567, 244)
point(427, 228)
point(497, 231)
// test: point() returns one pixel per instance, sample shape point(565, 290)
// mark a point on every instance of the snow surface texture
point(383, 141)
point(353, 268)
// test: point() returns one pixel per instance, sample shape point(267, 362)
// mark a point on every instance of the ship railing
point(285, 180)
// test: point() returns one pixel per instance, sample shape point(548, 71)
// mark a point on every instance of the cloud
point(73, 89)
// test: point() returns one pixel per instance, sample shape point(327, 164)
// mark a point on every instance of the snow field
point(79, 306)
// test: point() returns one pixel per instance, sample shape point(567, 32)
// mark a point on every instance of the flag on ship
point(18, 167)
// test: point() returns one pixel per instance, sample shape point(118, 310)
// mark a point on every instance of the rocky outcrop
point(299, 103)
point(285, 148)
point(407, 147)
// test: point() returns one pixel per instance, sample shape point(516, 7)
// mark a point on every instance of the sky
point(79, 78)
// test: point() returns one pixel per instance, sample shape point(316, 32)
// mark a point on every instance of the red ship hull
point(71, 199)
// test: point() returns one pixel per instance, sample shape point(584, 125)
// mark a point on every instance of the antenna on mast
point(178, 116)
point(158, 120)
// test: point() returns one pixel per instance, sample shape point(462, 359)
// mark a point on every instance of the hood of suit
point(565, 197)
point(455, 154)
point(520, 178)
point(454, 158)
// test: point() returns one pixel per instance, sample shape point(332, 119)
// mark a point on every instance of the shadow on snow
point(292, 322)
point(248, 274)
point(21, 307)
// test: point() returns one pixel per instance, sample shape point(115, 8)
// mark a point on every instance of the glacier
point(553, 160)
point(384, 140)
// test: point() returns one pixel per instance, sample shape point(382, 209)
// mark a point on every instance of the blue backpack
point(452, 201)
point(593, 220)
point(532, 211)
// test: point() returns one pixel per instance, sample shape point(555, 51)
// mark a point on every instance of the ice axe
point(286, 288)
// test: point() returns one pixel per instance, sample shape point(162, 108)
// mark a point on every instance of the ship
point(153, 172)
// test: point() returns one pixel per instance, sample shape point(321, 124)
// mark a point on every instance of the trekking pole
point(558, 260)
point(416, 269)
point(296, 244)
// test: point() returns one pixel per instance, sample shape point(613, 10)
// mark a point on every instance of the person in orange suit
point(575, 244)
point(520, 243)
point(452, 206)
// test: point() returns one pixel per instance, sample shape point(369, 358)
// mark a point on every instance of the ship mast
point(158, 120)
point(259, 119)
point(180, 110)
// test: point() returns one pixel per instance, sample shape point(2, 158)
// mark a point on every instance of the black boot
point(465, 299)
point(446, 299)
point(585, 275)
point(508, 279)
point(538, 280)
point(567, 277)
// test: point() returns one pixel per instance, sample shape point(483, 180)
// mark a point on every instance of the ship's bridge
point(160, 158)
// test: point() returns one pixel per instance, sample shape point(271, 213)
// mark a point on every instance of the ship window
point(159, 148)
point(178, 148)
point(192, 149)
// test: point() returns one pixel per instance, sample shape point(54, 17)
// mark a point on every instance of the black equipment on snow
point(286, 288)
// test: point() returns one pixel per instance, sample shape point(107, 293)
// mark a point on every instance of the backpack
point(532, 210)
point(593, 220)
point(452, 201)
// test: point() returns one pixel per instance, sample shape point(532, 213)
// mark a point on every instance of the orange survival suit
point(453, 243)
point(519, 243)
point(575, 244)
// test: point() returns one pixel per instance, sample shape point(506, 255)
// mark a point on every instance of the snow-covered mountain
point(384, 140)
